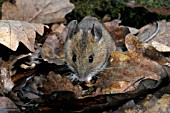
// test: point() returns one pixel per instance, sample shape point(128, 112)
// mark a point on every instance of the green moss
point(135, 17)
point(155, 3)
point(97, 8)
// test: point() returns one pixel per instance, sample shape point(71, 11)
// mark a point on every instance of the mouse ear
point(97, 31)
point(72, 28)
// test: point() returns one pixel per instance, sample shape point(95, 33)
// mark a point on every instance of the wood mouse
point(87, 48)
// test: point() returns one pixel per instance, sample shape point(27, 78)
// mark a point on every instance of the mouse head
point(85, 50)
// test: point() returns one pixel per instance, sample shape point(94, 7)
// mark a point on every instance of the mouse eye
point(74, 58)
point(91, 59)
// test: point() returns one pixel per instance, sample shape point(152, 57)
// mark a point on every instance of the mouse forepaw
point(73, 77)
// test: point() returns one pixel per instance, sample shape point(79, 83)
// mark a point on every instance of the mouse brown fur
point(88, 47)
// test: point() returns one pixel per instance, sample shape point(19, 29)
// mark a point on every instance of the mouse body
point(87, 48)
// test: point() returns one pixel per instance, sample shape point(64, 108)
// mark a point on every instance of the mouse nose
point(81, 74)
point(87, 79)
point(83, 77)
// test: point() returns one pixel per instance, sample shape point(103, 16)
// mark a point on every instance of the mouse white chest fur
point(88, 47)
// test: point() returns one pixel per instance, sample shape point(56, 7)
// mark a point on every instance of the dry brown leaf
point(133, 30)
point(56, 28)
point(162, 37)
point(5, 80)
point(7, 106)
point(53, 50)
point(160, 47)
point(117, 87)
point(140, 63)
point(53, 47)
point(151, 104)
point(44, 11)
point(159, 11)
point(12, 32)
point(106, 18)
point(117, 32)
point(57, 82)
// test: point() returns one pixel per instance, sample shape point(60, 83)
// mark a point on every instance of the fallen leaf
point(44, 11)
point(117, 87)
point(133, 30)
point(160, 47)
point(5, 80)
point(155, 55)
point(59, 83)
point(118, 33)
point(12, 32)
point(56, 28)
point(151, 104)
point(162, 11)
point(67, 101)
point(112, 24)
point(8, 106)
point(162, 36)
point(106, 18)
point(136, 65)
point(53, 50)
point(30, 85)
